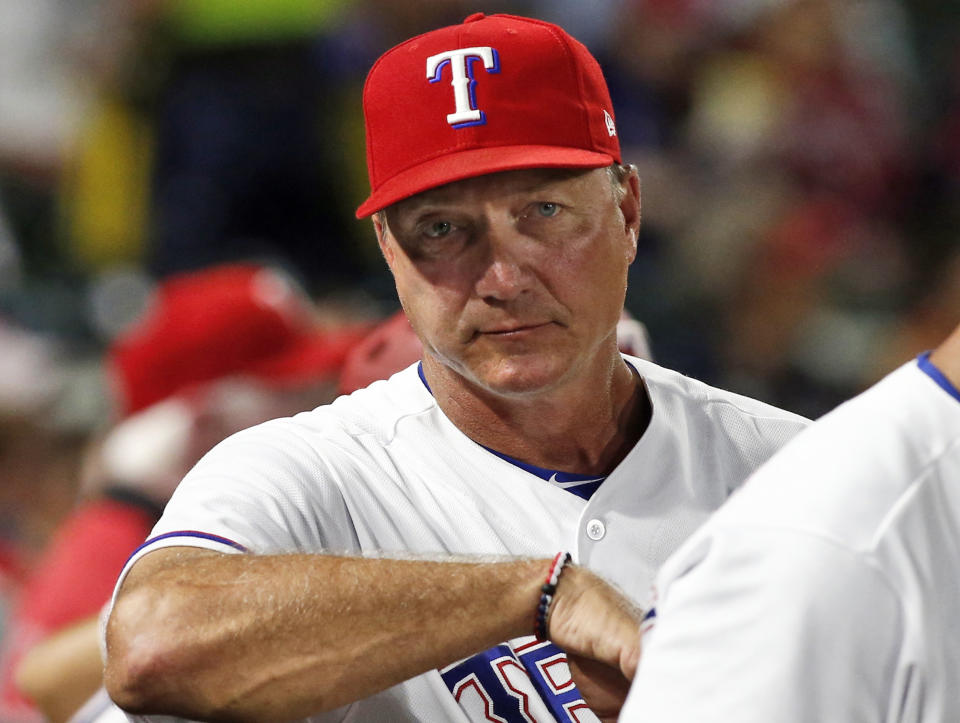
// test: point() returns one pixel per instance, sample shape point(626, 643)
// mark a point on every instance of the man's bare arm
point(246, 637)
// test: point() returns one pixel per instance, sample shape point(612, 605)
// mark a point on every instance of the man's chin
point(518, 377)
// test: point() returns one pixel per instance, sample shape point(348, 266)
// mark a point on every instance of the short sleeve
point(267, 490)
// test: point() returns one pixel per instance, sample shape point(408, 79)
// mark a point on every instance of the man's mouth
point(514, 329)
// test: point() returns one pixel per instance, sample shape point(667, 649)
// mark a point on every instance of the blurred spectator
point(391, 346)
point(40, 104)
point(216, 351)
point(38, 456)
point(39, 463)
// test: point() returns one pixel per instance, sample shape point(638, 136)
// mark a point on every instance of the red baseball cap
point(495, 93)
point(391, 346)
point(231, 320)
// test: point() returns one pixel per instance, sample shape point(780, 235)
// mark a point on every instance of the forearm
point(257, 637)
point(60, 673)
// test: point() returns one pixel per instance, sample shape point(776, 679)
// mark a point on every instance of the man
point(403, 542)
point(827, 590)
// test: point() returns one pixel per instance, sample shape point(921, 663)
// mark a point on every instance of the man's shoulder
point(694, 394)
point(380, 406)
point(376, 409)
point(726, 433)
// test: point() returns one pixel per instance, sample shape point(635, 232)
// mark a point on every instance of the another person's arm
point(62, 672)
point(247, 637)
point(776, 609)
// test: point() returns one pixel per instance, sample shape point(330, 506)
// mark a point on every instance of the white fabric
point(384, 471)
point(98, 709)
point(828, 589)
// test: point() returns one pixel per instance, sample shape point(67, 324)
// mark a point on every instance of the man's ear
point(630, 208)
point(380, 228)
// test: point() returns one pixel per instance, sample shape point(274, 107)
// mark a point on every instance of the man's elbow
point(142, 656)
point(128, 683)
point(132, 668)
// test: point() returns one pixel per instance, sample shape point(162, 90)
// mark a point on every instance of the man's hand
point(603, 687)
point(599, 628)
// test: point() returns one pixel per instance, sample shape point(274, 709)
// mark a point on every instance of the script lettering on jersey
point(461, 62)
point(525, 681)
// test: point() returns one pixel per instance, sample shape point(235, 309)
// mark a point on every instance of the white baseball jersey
point(385, 471)
point(828, 589)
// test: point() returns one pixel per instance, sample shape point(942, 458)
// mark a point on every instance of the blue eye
point(438, 229)
point(547, 209)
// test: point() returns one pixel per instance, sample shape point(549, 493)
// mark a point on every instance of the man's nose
point(505, 272)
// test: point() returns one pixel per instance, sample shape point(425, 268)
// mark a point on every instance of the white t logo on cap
point(461, 69)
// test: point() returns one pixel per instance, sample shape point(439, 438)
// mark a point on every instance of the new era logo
point(611, 128)
point(461, 62)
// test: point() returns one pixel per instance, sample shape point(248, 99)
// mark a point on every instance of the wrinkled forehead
point(504, 184)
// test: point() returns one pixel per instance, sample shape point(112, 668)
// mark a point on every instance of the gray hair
point(618, 174)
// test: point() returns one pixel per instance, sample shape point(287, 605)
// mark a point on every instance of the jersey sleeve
point(787, 604)
point(763, 626)
point(267, 490)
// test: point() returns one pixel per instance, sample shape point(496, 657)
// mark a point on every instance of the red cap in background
point(232, 320)
point(495, 93)
point(390, 347)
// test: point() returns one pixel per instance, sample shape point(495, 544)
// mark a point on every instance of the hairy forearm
point(242, 637)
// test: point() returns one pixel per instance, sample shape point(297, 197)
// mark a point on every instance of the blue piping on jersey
point(423, 378)
point(930, 369)
point(188, 533)
point(565, 480)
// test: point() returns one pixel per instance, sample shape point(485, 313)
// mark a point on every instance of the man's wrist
point(547, 593)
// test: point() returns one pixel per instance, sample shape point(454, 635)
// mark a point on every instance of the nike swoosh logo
point(574, 483)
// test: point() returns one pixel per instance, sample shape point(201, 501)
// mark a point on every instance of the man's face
point(515, 280)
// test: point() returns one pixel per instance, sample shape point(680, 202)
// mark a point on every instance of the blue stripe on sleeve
point(189, 533)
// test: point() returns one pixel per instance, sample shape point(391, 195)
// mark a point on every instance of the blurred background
point(800, 162)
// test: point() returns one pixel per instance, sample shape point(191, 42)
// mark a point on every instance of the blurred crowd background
point(800, 162)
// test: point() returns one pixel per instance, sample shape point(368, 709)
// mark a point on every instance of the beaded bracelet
point(547, 591)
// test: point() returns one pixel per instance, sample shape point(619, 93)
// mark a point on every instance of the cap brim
point(458, 166)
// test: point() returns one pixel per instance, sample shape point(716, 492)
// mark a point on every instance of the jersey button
point(596, 529)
